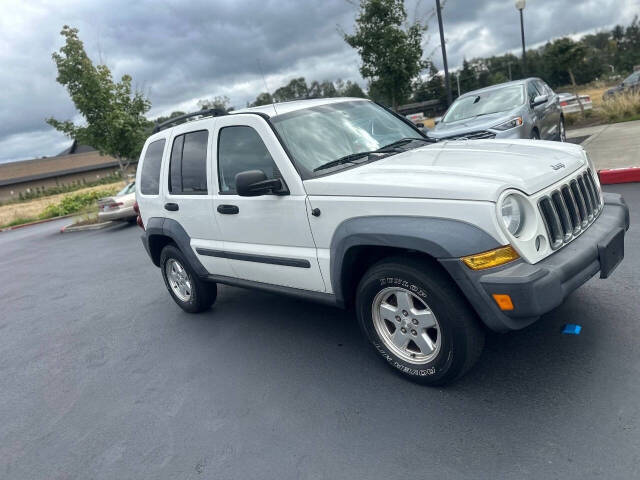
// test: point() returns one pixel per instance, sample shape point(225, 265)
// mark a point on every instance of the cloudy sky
point(181, 51)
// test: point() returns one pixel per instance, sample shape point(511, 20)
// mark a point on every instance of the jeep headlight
point(513, 123)
point(512, 214)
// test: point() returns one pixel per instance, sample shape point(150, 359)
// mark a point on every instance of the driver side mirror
point(539, 100)
point(253, 183)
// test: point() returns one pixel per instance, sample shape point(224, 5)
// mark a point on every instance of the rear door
point(267, 239)
point(188, 189)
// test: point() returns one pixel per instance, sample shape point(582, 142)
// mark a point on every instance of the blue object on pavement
point(572, 329)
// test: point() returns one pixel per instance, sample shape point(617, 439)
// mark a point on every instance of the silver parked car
point(629, 84)
point(519, 109)
point(120, 206)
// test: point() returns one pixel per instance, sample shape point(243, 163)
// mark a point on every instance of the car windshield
point(633, 78)
point(319, 135)
point(485, 103)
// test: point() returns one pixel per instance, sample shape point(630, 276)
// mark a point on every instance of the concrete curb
point(82, 228)
point(619, 175)
point(37, 222)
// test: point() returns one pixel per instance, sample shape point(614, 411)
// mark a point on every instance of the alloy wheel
point(406, 325)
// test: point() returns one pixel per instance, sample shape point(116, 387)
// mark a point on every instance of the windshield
point(633, 78)
point(318, 135)
point(484, 103)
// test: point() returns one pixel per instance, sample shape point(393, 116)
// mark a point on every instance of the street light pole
point(520, 4)
point(444, 54)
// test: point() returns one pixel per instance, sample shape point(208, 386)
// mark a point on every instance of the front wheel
point(416, 320)
point(187, 290)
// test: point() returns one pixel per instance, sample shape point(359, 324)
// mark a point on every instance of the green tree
point(351, 89)
point(296, 89)
point(431, 89)
point(175, 114)
point(468, 79)
point(325, 89)
point(390, 51)
point(264, 98)
point(564, 56)
point(113, 113)
point(219, 102)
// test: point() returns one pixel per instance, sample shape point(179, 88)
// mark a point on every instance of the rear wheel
point(416, 320)
point(187, 290)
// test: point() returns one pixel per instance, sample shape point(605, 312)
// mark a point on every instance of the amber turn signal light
point(503, 301)
point(492, 258)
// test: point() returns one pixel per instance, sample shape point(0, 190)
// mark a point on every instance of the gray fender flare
point(167, 227)
point(440, 238)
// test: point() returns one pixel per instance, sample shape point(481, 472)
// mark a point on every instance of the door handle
point(173, 207)
point(228, 209)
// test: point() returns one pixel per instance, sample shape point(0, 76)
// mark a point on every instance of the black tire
point(461, 336)
point(201, 294)
point(535, 135)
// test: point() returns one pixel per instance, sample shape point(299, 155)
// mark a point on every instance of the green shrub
point(74, 203)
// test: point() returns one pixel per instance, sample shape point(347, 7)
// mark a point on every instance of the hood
point(463, 170)
point(472, 124)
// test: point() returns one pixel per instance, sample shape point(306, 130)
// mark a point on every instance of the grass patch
point(621, 108)
point(80, 203)
point(18, 221)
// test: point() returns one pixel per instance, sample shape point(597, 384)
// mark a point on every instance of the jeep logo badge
point(557, 166)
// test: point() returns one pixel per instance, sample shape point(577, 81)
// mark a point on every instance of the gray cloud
point(181, 51)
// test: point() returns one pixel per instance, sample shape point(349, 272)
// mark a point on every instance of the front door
point(267, 238)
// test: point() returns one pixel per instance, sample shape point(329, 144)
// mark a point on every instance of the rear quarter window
point(150, 176)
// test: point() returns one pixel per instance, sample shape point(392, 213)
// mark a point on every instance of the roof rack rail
point(211, 112)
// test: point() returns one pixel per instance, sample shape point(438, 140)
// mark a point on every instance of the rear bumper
point(538, 289)
point(120, 214)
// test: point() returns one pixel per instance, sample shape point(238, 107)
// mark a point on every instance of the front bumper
point(538, 289)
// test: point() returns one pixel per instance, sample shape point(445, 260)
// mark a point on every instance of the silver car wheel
point(406, 325)
point(178, 279)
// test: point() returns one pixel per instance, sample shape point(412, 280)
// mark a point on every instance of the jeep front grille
point(570, 209)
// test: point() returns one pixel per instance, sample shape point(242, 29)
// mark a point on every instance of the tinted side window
point(150, 177)
point(175, 165)
point(532, 91)
point(188, 168)
point(239, 149)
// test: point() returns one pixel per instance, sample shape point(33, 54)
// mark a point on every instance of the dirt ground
point(33, 208)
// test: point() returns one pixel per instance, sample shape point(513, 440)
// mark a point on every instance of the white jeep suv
point(344, 202)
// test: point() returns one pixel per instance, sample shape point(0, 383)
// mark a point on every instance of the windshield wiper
point(346, 159)
point(354, 156)
point(402, 141)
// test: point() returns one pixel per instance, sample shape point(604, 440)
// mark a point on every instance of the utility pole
point(520, 4)
point(444, 54)
point(509, 67)
point(458, 80)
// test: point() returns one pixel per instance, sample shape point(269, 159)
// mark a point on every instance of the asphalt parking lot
point(103, 376)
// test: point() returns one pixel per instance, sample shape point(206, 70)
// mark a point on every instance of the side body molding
point(157, 229)
point(438, 237)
